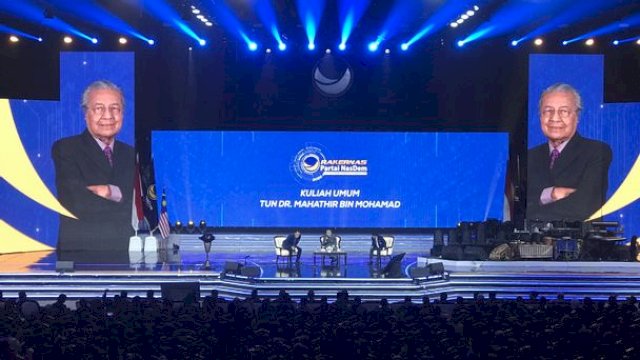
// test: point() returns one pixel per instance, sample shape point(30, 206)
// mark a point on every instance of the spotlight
point(311, 46)
point(342, 46)
point(200, 17)
point(514, 43)
point(565, 42)
point(253, 46)
point(454, 24)
point(387, 51)
point(94, 41)
point(190, 48)
point(268, 51)
point(151, 42)
point(404, 47)
point(589, 42)
point(282, 46)
point(476, 7)
point(209, 23)
point(122, 40)
point(373, 46)
point(464, 17)
point(538, 42)
point(195, 11)
point(460, 21)
point(39, 39)
point(616, 42)
point(14, 39)
point(328, 51)
point(202, 226)
point(191, 227)
point(460, 43)
point(204, 20)
point(178, 227)
point(202, 42)
point(67, 39)
point(638, 41)
point(471, 13)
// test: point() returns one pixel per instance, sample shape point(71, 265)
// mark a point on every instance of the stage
point(43, 278)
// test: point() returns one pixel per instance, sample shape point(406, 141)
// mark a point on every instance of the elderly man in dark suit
point(568, 175)
point(94, 177)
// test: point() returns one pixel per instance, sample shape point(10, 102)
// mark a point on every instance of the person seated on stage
point(329, 241)
point(292, 242)
point(377, 244)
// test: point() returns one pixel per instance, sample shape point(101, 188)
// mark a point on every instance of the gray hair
point(99, 85)
point(562, 87)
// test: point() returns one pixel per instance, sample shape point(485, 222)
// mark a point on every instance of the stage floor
point(136, 273)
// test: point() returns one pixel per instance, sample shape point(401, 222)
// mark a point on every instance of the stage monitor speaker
point(250, 271)
point(436, 268)
point(393, 269)
point(232, 267)
point(418, 272)
point(181, 291)
point(64, 266)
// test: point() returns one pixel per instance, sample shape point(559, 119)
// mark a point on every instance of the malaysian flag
point(163, 222)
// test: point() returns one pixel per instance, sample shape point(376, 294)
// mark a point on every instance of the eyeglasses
point(563, 113)
point(100, 110)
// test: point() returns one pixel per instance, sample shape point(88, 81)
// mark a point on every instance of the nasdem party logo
point(332, 77)
point(310, 164)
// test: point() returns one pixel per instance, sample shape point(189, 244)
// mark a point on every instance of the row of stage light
point(372, 47)
point(350, 12)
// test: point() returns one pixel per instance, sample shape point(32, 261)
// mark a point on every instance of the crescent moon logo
point(332, 77)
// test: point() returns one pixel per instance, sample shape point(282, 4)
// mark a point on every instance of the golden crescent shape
point(628, 192)
point(13, 241)
point(16, 167)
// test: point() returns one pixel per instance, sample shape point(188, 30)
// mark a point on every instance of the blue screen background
point(439, 178)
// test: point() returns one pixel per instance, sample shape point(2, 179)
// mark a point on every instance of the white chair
point(387, 251)
point(281, 251)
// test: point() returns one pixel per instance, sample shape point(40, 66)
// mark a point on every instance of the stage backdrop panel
point(40, 123)
point(330, 179)
point(617, 124)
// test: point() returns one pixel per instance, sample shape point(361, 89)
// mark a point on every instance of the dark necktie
point(108, 153)
point(555, 154)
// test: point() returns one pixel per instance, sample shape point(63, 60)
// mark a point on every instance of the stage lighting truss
point(199, 15)
point(464, 16)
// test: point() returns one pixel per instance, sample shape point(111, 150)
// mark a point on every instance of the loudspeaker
point(453, 237)
point(181, 291)
point(436, 268)
point(436, 250)
point(393, 269)
point(64, 266)
point(418, 272)
point(232, 267)
point(250, 271)
point(438, 238)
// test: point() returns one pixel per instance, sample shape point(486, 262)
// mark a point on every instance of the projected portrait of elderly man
point(567, 175)
point(94, 176)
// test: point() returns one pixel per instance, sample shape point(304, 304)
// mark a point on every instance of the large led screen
point(331, 179)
